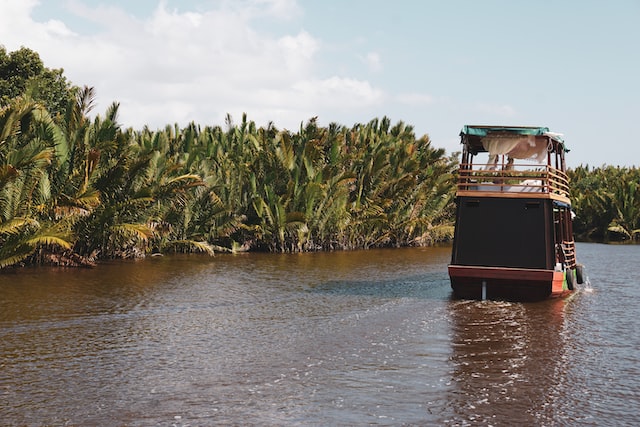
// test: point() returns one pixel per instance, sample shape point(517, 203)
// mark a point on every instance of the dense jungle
point(77, 187)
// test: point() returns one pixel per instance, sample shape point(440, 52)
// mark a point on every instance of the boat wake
point(586, 286)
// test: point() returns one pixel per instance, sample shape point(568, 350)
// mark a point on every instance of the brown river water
point(323, 339)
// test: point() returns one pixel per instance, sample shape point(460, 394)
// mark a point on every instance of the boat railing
point(513, 178)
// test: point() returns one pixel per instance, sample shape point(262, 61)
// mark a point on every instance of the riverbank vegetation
point(74, 189)
point(84, 190)
point(606, 200)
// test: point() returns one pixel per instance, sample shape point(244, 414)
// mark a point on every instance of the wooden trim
point(513, 195)
point(516, 274)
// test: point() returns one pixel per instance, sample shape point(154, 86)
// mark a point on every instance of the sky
point(570, 65)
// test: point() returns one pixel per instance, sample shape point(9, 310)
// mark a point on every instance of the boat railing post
point(484, 290)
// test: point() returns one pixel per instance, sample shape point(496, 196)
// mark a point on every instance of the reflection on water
point(508, 359)
point(348, 338)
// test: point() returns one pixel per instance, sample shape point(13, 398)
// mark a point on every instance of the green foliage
point(607, 202)
point(73, 190)
point(23, 73)
point(26, 154)
point(80, 190)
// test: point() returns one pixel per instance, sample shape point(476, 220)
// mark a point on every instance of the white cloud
point(57, 28)
point(298, 51)
point(337, 92)
point(177, 66)
point(17, 28)
point(373, 61)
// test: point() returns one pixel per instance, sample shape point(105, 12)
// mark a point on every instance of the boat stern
point(519, 284)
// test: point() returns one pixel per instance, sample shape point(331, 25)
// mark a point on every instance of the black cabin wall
point(504, 232)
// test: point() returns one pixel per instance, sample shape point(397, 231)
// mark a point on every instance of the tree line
point(74, 190)
point(606, 200)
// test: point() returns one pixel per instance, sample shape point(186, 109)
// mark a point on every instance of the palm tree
point(625, 197)
point(26, 151)
point(106, 192)
point(607, 202)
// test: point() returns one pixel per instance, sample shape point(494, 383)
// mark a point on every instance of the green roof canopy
point(516, 130)
point(483, 131)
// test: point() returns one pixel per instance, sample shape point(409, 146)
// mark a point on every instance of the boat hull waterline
point(472, 282)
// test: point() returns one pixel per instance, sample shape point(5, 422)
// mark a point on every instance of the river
point(345, 338)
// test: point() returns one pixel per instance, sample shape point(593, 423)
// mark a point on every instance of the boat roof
point(472, 135)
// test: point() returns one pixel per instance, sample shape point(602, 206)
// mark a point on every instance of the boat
point(513, 236)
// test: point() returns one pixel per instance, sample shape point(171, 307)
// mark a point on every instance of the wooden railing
point(514, 179)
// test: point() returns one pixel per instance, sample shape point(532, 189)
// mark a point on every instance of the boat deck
point(513, 181)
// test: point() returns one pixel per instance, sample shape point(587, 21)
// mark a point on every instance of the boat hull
point(515, 284)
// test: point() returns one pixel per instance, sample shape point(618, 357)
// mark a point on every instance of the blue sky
point(572, 66)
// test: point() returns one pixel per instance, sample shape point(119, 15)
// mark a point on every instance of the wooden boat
point(513, 238)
